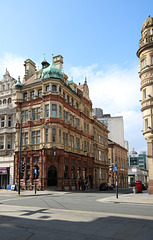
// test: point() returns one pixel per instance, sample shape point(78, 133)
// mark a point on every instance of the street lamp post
point(20, 155)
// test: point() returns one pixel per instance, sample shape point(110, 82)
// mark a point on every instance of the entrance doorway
point(52, 176)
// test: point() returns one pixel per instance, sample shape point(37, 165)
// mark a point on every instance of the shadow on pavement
point(45, 227)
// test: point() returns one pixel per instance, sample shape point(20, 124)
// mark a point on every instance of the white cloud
point(14, 65)
point(116, 91)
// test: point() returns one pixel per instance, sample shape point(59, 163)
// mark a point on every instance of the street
point(73, 215)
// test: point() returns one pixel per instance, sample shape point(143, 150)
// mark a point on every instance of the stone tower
point(145, 53)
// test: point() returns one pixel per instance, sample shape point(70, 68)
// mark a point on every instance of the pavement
point(135, 198)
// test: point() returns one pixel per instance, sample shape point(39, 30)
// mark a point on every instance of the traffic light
point(23, 167)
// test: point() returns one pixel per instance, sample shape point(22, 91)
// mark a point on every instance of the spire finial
point(85, 80)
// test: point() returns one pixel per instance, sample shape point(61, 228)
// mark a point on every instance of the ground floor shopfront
point(54, 168)
point(6, 171)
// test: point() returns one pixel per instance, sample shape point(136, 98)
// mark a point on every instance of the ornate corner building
point(57, 130)
point(145, 53)
point(7, 129)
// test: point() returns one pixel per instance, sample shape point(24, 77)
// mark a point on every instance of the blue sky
point(98, 39)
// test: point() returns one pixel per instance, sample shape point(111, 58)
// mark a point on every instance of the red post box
point(138, 186)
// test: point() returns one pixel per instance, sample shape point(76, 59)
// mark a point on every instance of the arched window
point(0, 102)
point(66, 175)
point(73, 172)
point(54, 88)
point(4, 101)
point(9, 100)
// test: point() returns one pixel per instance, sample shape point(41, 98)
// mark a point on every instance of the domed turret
point(52, 72)
point(44, 63)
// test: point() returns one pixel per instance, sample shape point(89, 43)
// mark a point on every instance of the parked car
point(144, 186)
point(105, 186)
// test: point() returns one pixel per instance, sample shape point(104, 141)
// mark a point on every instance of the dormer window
point(47, 88)
point(25, 96)
point(32, 95)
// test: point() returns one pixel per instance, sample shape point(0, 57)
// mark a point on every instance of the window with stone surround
point(1, 142)
point(24, 115)
point(36, 114)
point(35, 137)
point(24, 140)
point(47, 110)
point(2, 121)
point(9, 142)
point(25, 96)
point(54, 110)
point(40, 93)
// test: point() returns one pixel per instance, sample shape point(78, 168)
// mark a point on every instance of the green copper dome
point(18, 84)
point(52, 72)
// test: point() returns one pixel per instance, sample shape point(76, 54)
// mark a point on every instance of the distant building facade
point(115, 126)
point(117, 155)
point(58, 130)
point(7, 129)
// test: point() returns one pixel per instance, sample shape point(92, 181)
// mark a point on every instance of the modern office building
point(7, 129)
point(59, 132)
point(137, 160)
point(145, 53)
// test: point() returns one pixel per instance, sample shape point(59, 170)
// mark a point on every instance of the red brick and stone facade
point(57, 129)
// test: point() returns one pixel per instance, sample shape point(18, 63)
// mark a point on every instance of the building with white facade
point(7, 129)
point(115, 126)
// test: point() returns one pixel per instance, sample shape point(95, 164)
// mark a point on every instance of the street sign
point(115, 168)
